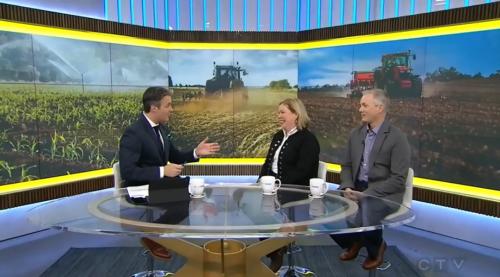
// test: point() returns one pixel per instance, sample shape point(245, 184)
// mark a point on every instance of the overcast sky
point(196, 66)
point(334, 65)
point(469, 53)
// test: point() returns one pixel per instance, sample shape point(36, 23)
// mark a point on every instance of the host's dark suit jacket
point(388, 165)
point(140, 156)
point(298, 159)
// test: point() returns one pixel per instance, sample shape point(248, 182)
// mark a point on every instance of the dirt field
point(243, 128)
point(481, 90)
point(452, 140)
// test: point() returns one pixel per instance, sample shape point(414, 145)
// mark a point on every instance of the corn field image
point(65, 103)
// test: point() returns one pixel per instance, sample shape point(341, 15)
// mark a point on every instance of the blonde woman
point(293, 155)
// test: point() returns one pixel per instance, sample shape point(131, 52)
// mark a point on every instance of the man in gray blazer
point(376, 163)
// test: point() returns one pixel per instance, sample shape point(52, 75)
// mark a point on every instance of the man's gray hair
point(380, 97)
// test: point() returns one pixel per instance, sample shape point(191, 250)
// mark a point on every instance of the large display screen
point(65, 103)
point(445, 94)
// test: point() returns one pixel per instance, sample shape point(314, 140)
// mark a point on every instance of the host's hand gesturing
point(207, 148)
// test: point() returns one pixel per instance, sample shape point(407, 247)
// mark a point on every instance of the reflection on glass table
point(226, 213)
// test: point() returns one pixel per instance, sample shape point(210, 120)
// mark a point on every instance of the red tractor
point(361, 80)
point(395, 76)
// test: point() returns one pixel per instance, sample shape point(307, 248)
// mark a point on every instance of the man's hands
point(172, 170)
point(352, 194)
point(205, 148)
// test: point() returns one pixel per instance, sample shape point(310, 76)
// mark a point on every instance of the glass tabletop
point(224, 211)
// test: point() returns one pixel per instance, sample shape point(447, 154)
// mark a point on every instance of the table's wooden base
point(238, 260)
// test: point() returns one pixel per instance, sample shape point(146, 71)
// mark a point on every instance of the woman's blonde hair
point(297, 107)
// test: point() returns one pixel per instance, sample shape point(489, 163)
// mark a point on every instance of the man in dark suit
point(376, 164)
point(146, 153)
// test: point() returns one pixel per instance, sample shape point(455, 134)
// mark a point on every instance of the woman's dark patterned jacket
point(298, 159)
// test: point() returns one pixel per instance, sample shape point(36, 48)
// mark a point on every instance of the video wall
point(65, 103)
point(445, 95)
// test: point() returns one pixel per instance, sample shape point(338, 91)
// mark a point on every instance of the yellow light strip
point(333, 167)
point(126, 40)
point(429, 32)
point(54, 181)
point(447, 187)
point(117, 39)
point(471, 191)
point(224, 161)
point(476, 192)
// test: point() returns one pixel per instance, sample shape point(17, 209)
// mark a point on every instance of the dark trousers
point(371, 211)
point(372, 240)
point(282, 200)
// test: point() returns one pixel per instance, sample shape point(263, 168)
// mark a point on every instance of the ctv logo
point(440, 264)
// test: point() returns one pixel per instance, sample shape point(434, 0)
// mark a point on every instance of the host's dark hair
point(152, 97)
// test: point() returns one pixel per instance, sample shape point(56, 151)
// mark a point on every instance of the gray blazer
point(388, 165)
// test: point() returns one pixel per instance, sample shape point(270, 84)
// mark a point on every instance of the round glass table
point(225, 213)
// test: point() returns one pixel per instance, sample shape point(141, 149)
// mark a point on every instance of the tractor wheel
point(388, 90)
point(379, 81)
point(356, 93)
point(392, 90)
point(209, 87)
point(416, 87)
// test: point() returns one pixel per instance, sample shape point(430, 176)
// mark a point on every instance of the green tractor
point(395, 76)
point(226, 78)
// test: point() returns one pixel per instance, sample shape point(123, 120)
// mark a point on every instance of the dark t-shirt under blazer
point(298, 159)
point(388, 163)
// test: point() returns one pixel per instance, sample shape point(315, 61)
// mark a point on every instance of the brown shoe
point(352, 252)
point(370, 264)
point(276, 260)
point(157, 250)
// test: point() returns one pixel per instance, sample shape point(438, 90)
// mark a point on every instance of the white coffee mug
point(316, 208)
point(269, 184)
point(318, 187)
point(196, 207)
point(196, 186)
point(270, 204)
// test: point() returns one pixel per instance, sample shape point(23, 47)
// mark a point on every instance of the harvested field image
point(450, 140)
point(447, 100)
point(243, 130)
point(232, 99)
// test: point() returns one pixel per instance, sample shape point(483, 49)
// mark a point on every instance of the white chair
point(322, 170)
point(407, 197)
point(118, 183)
point(117, 176)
